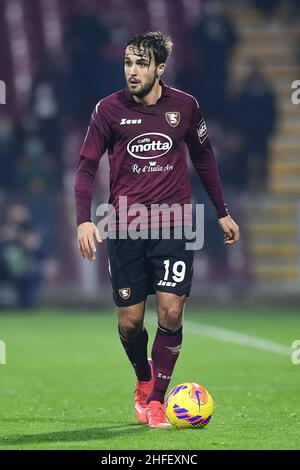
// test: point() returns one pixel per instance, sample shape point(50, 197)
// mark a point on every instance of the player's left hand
point(231, 230)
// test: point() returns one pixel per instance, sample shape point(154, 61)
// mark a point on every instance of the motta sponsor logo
point(149, 146)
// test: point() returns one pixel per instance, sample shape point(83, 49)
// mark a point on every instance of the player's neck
point(152, 97)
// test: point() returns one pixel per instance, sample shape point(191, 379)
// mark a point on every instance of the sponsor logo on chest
point(150, 145)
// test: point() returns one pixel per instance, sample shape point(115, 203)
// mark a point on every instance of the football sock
point(136, 350)
point(165, 351)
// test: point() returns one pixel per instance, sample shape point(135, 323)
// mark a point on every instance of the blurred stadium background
point(239, 58)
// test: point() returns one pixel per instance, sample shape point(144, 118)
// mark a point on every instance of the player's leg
point(165, 352)
point(134, 338)
point(167, 343)
point(172, 268)
point(128, 277)
point(170, 309)
point(126, 259)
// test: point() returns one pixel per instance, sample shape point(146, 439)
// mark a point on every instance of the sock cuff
point(167, 332)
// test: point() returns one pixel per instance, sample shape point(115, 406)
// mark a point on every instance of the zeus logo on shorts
point(149, 146)
point(166, 283)
point(202, 131)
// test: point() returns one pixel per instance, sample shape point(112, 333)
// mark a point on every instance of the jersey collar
point(165, 92)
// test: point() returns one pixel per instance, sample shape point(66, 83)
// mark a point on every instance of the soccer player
point(146, 129)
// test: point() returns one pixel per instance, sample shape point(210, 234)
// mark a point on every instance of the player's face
point(140, 71)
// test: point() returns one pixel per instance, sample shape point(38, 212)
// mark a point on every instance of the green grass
point(67, 384)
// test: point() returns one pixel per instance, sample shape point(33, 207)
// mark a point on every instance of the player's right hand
point(87, 233)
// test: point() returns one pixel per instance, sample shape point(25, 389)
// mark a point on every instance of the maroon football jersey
point(146, 148)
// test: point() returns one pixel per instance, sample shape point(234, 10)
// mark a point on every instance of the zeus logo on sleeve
point(202, 131)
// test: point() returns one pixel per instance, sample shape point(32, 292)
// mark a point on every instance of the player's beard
point(145, 90)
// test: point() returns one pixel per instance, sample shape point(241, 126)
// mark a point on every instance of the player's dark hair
point(160, 44)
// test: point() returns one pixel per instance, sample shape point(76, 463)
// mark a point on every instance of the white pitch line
point(230, 336)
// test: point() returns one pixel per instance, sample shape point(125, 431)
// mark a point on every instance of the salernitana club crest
point(173, 118)
point(125, 293)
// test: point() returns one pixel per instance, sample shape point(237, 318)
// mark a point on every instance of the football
point(189, 405)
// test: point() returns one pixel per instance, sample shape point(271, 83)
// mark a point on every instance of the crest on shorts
point(173, 118)
point(125, 293)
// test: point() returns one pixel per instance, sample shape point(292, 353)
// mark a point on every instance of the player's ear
point(160, 70)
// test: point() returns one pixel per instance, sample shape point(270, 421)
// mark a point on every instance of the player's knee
point(129, 327)
point(170, 317)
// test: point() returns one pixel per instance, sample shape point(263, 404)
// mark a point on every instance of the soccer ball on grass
point(189, 405)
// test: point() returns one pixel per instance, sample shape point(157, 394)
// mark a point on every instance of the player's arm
point(205, 164)
point(87, 232)
point(91, 151)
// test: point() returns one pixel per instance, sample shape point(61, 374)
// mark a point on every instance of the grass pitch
point(68, 384)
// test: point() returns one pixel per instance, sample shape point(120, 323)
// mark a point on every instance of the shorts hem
point(130, 303)
point(187, 294)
